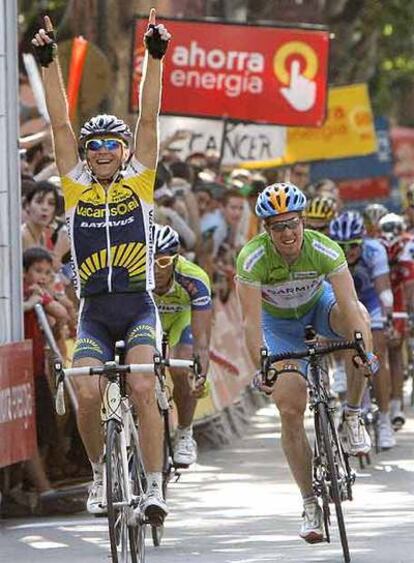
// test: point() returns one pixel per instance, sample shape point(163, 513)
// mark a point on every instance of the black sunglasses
point(280, 226)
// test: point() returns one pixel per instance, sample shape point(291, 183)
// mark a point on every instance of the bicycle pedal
point(181, 465)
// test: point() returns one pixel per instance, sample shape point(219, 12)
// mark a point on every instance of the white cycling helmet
point(349, 225)
point(105, 124)
point(166, 239)
point(392, 226)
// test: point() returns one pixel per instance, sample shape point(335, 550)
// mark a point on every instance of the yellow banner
point(347, 132)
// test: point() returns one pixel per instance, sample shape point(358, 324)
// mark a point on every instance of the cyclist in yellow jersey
point(183, 297)
point(109, 208)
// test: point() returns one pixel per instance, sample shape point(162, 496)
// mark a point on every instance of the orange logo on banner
point(295, 65)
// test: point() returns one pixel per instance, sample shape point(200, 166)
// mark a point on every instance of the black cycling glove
point(45, 54)
point(156, 45)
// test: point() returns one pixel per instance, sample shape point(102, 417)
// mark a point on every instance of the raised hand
point(157, 37)
point(44, 45)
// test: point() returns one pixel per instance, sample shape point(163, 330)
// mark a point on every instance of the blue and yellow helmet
point(280, 198)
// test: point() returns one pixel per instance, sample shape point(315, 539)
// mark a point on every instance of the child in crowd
point(38, 268)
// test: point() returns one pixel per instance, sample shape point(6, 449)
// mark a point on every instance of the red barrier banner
point(402, 139)
point(17, 407)
point(367, 188)
point(248, 73)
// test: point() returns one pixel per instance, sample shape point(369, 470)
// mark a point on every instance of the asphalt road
point(239, 505)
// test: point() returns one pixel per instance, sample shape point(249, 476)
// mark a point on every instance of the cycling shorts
point(177, 326)
point(104, 319)
point(287, 335)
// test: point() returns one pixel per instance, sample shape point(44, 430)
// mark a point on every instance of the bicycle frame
point(115, 406)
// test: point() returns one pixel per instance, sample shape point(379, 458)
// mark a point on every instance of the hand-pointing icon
point(301, 93)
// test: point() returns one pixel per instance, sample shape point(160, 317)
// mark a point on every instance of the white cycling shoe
point(396, 413)
point(355, 438)
point(185, 450)
point(386, 437)
point(312, 526)
point(155, 507)
point(94, 503)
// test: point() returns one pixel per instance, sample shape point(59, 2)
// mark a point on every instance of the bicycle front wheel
point(116, 496)
point(138, 482)
point(157, 532)
point(329, 445)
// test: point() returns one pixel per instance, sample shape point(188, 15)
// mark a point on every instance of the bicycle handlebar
point(315, 349)
point(112, 368)
point(320, 350)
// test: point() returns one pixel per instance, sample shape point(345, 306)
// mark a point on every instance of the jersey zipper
point(108, 244)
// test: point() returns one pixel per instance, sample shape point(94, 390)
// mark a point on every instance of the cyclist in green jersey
point(183, 297)
point(281, 285)
point(109, 210)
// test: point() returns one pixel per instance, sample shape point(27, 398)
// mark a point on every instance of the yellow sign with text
point(347, 132)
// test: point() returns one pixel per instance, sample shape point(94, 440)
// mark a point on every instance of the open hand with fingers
point(156, 38)
point(44, 45)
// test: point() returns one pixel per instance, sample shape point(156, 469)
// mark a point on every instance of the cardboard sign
point(242, 141)
point(17, 406)
point(244, 72)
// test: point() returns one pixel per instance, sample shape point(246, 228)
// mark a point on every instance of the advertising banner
point(377, 164)
point(17, 406)
point(246, 73)
point(348, 131)
point(243, 141)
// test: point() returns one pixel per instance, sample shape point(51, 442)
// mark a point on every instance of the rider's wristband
point(45, 54)
point(156, 45)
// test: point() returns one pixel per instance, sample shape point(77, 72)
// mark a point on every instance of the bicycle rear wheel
point(329, 445)
point(115, 494)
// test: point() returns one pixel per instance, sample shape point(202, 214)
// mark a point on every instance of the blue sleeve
point(198, 291)
point(376, 256)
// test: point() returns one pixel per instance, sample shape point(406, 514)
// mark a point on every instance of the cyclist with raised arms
point(183, 297)
point(281, 285)
point(109, 210)
point(368, 263)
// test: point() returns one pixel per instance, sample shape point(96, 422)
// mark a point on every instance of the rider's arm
point(349, 307)
point(65, 144)
point(250, 297)
point(383, 289)
point(146, 133)
point(201, 329)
